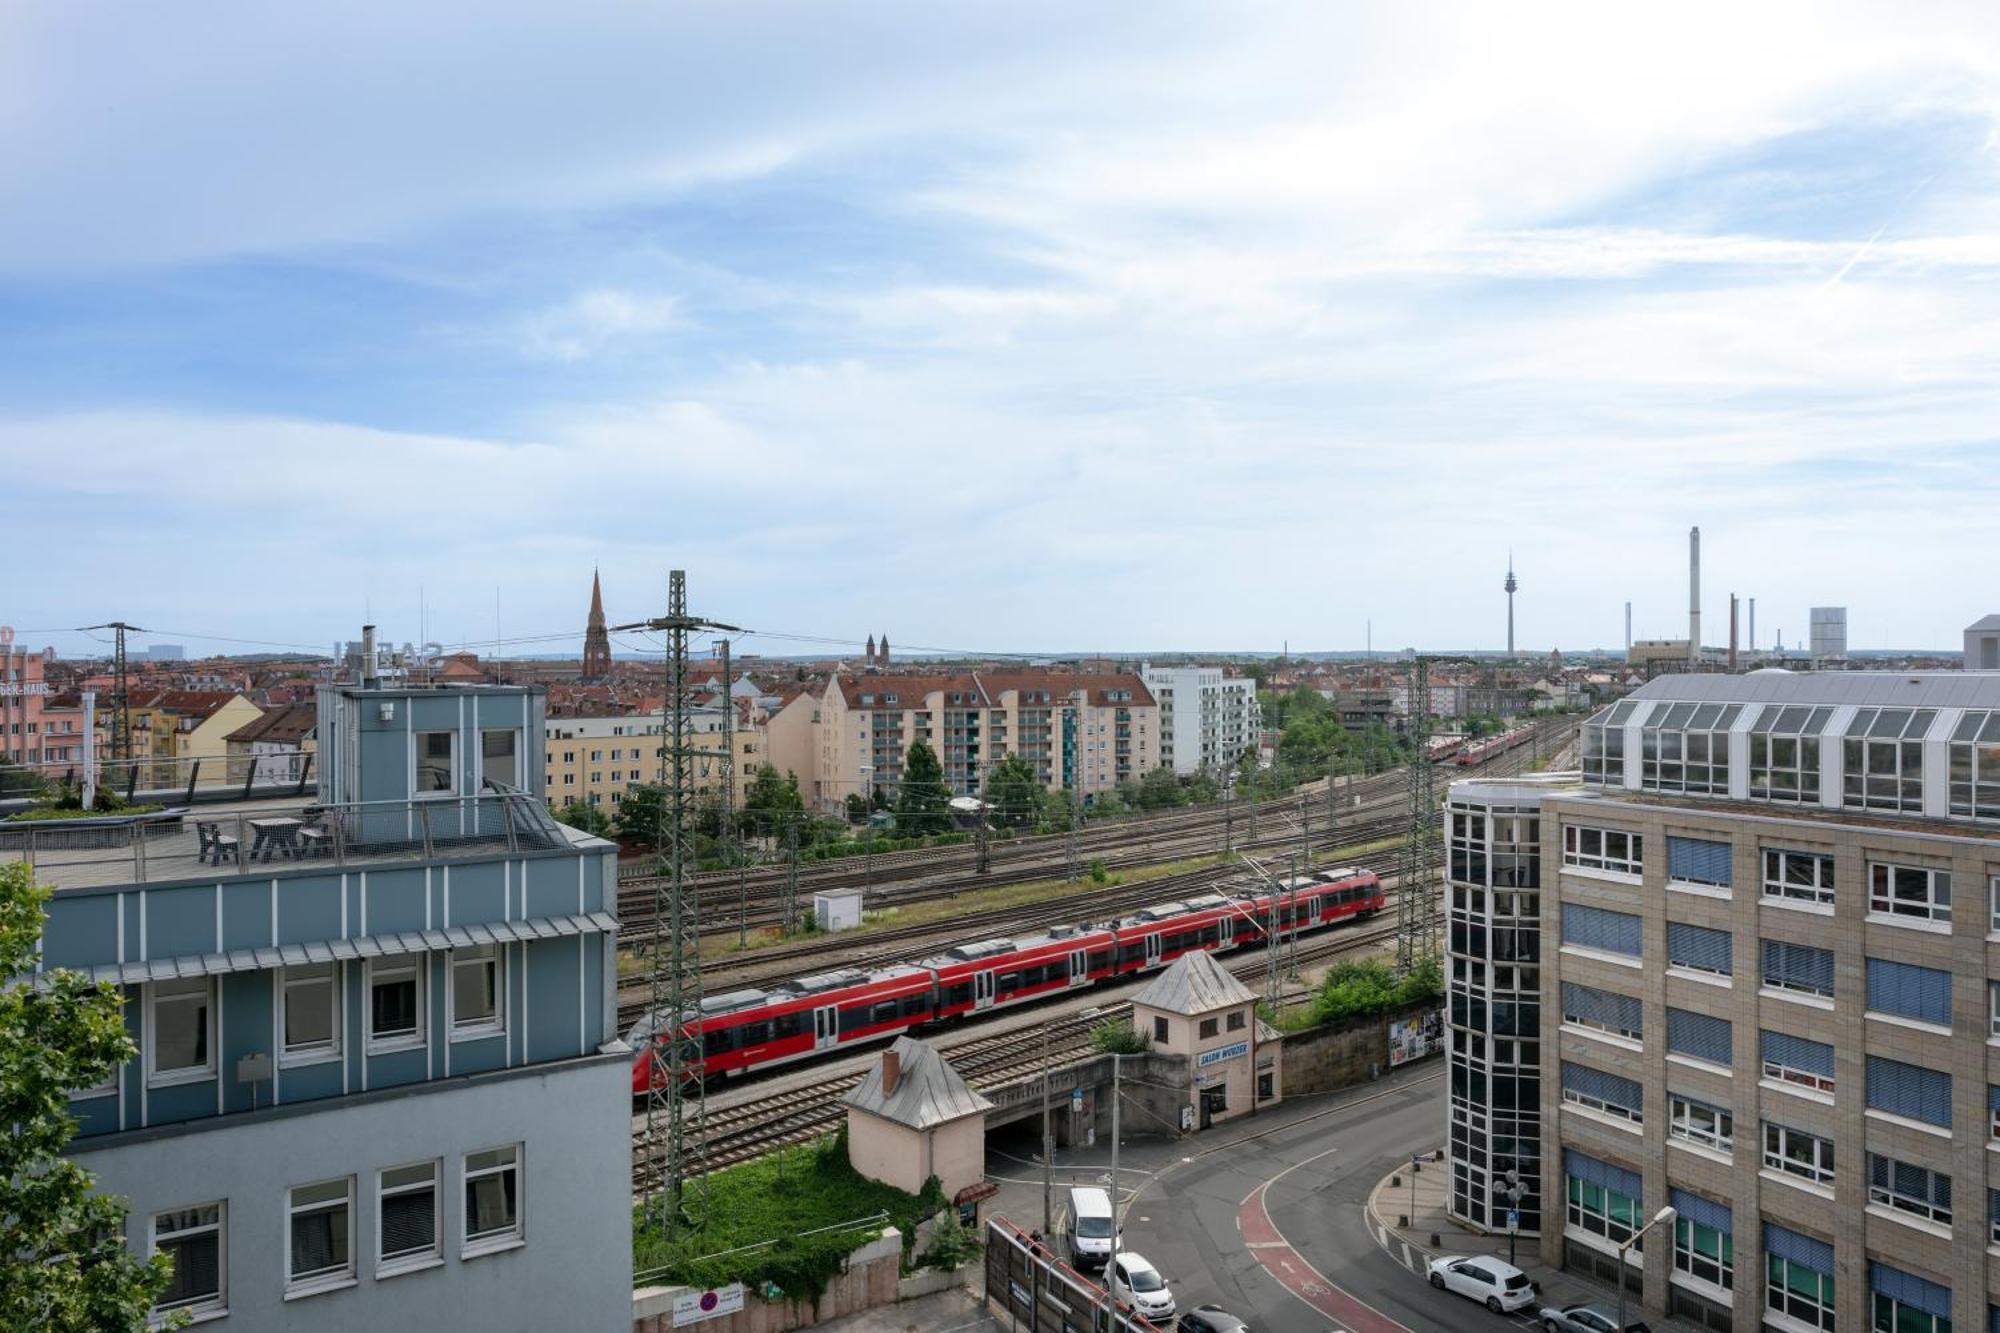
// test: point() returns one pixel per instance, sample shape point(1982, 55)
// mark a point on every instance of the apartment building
point(1092, 732)
point(1207, 719)
point(23, 697)
point(378, 1081)
point(1770, 991)
point(596, 760)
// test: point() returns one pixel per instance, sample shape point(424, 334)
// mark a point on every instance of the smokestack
point(1694, 596)
point(1732, 631)
point(368, 680)
point(1753, 627)
point(1628, 629)
point(892, 1072)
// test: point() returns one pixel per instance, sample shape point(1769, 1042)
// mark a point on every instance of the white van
point(1090, 1227)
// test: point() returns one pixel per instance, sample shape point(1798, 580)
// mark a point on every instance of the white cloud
point(582, 326)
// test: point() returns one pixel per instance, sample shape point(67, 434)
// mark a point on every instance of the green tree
point(1159, 790)
point(643, 812)
point(581, 815)
point(63, 1261)
point(1013, 791)
point(1114, 1036)
point(924, 803)
point(857, 807)
point(771, 803)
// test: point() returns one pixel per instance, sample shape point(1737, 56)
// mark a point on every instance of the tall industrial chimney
point(1694, 596)
point(1628, 629)
point(1732, 631)
point(1753, 627)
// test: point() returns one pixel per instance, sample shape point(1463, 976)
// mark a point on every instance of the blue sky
point(1011, 327)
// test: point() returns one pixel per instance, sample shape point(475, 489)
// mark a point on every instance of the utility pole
point(1416, 905)
point(982, 847)
point(1075, 850)
point(730, 851)
point(676, 1126)
point(1048, 1148)
point(121, 706)
point(791, 908)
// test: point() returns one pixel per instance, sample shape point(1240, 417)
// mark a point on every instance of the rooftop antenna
point(1510, 586)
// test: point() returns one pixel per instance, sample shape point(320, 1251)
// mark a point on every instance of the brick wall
point(1337, 1056)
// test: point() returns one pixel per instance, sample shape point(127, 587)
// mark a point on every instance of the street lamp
point(1666, 1215)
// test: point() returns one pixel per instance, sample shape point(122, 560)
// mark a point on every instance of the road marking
point(1291, 1269)
point(1406, 1257)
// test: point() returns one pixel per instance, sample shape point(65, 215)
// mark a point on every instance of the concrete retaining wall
point(1340, 1055)
point(873, 1278)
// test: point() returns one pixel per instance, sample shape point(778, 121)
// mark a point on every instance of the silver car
point(1585, 1319)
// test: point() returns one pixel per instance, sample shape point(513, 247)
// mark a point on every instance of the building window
point(1686, 749)
point(1791, 1059)
point(1208, 1028)
point(1700, 1123)
point(1700, 1036)
point(1237, 1022)
point(321, 1254)
point(180, 1031)
point(1701, 948)
point(1975, 766)
point(1700, 861)
point(194, 1238)
point(477, 985)
point(1902, 1302)
point(1704, 1243)
point(1603, 849)
point(1596, 1090)
point(436, 774)
point(1159, 1029)
point(1798, 967)
point(1804, 877)
point(1602, 1010)
point(396, 1004)
point(407, 1216)
point(1798, 1153)
point(1587, 927)
point(1784, 754)
point(1908, 991)
point(499, 757)
point(492, 1198)
point(1798, 1277)
point(1993, 904)
point(310, 997)
point(1910, 1091)
point(1910, 1188)
point(1883, 765)
point(1910, 892)
point(1603, 1200)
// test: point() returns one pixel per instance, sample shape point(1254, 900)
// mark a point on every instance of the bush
point(1115, 1036)
point(1357, 989)
point(1098, 874)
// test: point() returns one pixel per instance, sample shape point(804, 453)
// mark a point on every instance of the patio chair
point(216, 844)
point(316, 833)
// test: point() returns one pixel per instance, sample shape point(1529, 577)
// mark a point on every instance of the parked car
point(1211, 1319)
point(1141, 1286)
point(1090, 1232)
point(1492, 1281)
point(1586, 1319)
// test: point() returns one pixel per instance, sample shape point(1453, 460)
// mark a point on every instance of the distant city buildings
point(1829, 633)
point(1208, 718)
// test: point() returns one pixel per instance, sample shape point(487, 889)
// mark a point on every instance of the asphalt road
point(1266, 1217)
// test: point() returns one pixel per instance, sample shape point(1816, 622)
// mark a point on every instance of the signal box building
point(378, 1081)
point(1198, 1010)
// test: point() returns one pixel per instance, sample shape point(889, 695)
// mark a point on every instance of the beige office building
point(596, 760)
point(1770, 999)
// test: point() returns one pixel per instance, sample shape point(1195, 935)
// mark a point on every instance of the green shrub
point(1115, 1036)
point(1098, 873)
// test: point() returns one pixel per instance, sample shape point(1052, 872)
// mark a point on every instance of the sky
point(1026, 327)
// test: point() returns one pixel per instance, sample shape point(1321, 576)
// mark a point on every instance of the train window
point(788, 1025)
point(913, 1005)
point(1100, 959)
point(1132, 953)
point(958, 993)
point(1211, 934)
point(754, 1034)
point(854, 1018)
point(885, 1011)
point(716, 1041)
point(1007, 982)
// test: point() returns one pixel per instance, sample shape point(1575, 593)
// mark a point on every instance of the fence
point(1042, 1294)
point(163, 779)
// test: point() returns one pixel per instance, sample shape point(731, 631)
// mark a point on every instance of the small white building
point(913, 1117)
point(1197, 1010)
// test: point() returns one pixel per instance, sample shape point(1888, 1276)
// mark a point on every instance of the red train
point(1480, 751)
point(756, 1029)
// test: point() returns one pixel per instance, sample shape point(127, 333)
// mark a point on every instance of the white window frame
point(1602, 1107)
point(490, 1025)
point(417, 964)
point(520, 756)
point(167, 1078)
point(388, 1265)
point(1803, 1078)
point(1891, 909)
point(417, 759)
point(312, 1053)
point(1684, 1122)
point(1889, 1196)
point(1899, 1316)
point(206, 1306)
point(1791, 1166)
point(1779, 889)
point(487, 1242)
point(1696, 1265)
point(329, 1279)
point(1631, 862)
point(1993, 903)
point(1782, 1305)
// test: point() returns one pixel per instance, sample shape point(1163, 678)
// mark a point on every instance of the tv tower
point(1510, 586)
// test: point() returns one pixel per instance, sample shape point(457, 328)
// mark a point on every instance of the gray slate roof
point(929, 1092)
point(1885, 689)
point(1194, 984)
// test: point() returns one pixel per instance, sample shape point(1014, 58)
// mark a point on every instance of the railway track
point(776, 963)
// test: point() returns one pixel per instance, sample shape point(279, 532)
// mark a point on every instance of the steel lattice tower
point(1417, 904)
point(121, 702)
point(676, 1127)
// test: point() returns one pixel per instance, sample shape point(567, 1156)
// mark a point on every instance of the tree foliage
point(1014, 792)
point(1356, 989)
point(582, 815)
point(924, 803)
point(63, 1261)
point(1115, 1036)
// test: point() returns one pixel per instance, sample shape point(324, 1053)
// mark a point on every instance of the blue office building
point(379, 1082)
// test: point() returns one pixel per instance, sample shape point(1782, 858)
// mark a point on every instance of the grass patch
point(780, 1197)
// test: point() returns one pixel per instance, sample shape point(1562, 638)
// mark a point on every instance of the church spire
point(596, 639)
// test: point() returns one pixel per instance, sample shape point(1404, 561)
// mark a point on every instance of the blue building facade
point(378, 1075)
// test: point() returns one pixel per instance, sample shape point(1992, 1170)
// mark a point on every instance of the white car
point(1140, 1285)
point(1495, 1283)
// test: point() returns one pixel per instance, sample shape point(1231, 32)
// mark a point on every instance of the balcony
point(260, 839)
